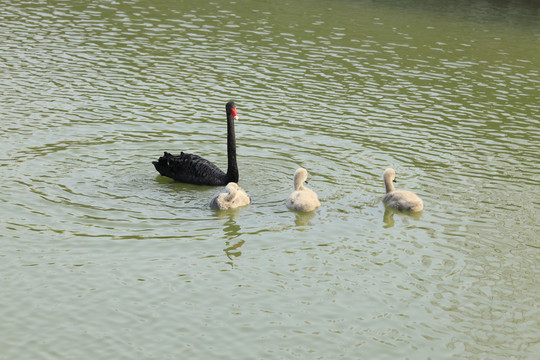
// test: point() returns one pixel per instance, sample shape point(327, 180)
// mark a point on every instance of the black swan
point(193, 169)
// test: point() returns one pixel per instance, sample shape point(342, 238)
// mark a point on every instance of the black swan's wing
point(190, 168)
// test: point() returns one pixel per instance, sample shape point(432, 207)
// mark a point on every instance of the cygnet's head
point(300, 176)
point(389, 175)
point(231, 187)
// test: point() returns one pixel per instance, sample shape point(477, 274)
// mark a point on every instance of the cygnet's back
point(233, 197)
point(302, 198)
point(399, 199)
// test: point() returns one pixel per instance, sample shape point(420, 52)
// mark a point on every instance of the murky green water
point(102, 258)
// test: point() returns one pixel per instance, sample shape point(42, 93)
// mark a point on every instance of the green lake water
point(102, 258)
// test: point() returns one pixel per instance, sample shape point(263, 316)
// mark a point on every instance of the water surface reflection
point(389, 213)
point(93, 91)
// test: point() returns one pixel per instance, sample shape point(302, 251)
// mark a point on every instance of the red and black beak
point(234, 114)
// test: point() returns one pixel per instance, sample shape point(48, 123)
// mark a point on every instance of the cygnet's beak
point(394, 180)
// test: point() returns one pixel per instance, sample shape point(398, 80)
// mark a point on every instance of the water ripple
point(92, 92)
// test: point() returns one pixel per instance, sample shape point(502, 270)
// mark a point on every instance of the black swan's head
point(231, 109)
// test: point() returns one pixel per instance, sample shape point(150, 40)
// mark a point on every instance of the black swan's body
point(193, 169)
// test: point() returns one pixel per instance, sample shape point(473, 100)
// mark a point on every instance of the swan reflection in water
point(233, 251)
point(303, 218)
point(388, 217)
point(232, 232)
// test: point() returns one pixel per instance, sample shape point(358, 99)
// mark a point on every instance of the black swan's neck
point(232, 169)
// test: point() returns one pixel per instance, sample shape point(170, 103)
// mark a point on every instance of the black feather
point(190, 168)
